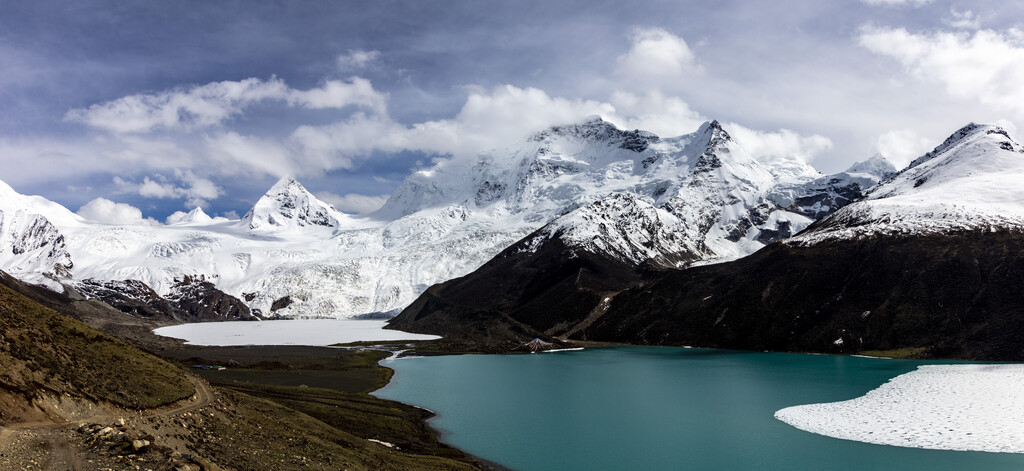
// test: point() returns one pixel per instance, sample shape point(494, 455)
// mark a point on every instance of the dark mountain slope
point(517, 297)
point(952, 295)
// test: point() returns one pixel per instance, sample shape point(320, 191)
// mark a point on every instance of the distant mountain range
point(645, 200)
point(928, 261)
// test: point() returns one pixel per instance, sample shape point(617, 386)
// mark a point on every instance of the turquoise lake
point(657, 408)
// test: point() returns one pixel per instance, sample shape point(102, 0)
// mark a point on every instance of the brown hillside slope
point(44, 352)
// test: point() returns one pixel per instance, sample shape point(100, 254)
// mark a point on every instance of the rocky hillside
point(190, 300)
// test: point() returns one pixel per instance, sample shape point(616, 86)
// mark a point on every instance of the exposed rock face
point(33, 247)
point(191, 300)
point(129, 296)
point(196, 299)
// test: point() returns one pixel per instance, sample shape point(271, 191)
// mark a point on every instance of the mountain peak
point(288, 204)
point(877, 165)
point(712, 134)
point(286, 184)
point(196, 216)
point(980, 134)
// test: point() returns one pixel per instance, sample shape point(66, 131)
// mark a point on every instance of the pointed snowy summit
point(289, 205)
point(877, 168)
point(196, 217)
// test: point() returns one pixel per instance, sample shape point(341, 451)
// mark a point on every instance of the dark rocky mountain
point(192, 299)
point(951, 295)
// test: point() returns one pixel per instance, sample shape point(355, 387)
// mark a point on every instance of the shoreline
point(435, 347)
point(485, 464)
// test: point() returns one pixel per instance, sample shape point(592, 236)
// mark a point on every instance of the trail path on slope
point(44, 444)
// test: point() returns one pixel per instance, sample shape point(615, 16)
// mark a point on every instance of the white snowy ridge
point(972, 181)
point(698, 194)
point(621, 225)
point(942, 407)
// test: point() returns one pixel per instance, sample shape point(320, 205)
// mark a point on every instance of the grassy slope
point(240, 435)
point(334, 392)
point(42, 350)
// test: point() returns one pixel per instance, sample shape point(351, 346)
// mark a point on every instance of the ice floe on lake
point(943, 407)
point(286, 332)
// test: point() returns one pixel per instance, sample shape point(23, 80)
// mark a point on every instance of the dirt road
point(51, 445)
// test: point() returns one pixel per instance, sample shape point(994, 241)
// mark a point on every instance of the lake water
point(657, 408)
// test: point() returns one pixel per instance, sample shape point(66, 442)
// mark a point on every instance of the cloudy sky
point(163, 106)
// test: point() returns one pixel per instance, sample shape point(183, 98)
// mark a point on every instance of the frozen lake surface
point(315, 332)
point(943, 407)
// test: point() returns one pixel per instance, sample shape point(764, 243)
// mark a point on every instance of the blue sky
point(166, 105)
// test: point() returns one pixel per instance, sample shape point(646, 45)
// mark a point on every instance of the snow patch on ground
point(315, 332)
point(942, 407)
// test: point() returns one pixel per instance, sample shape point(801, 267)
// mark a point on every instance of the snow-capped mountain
point(288, 205)
point(196, 217)
point(929, 261)
point(622, 226)
point(972, 181)
point(825, 194)
point(31, 247)
point(701, 196)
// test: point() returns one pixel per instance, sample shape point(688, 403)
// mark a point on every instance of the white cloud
point(352, 202)
point(357, 59)
point(212, 104)
point(656, 58)
point(890, 3)
point(250, 155)
point(198, 106)
point(105, 211)
point(488, 120)
point(902, 146)
point(653, 111)
point(986, 66)
point(175, 217)
point(196, 190)
point(783, 143)
point(963, 19)
point(337, 94)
